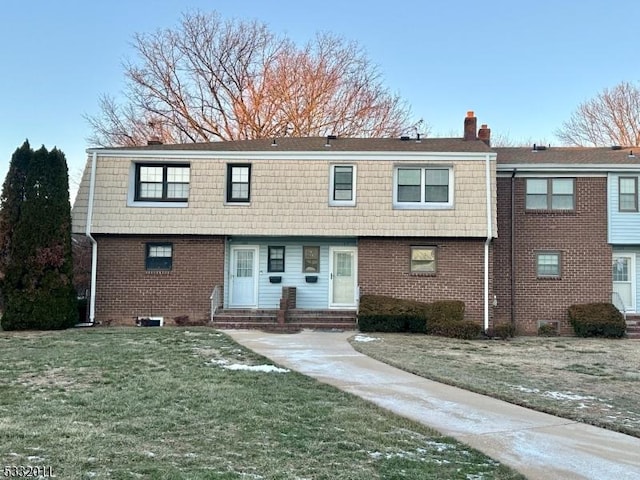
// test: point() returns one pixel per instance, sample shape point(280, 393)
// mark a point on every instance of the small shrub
point(185, 321)
point(378, 313)
point(381, 323)
point(547, 330)
point(463, 329)
point(504, 331)
point(446, 310)
point(597, 320)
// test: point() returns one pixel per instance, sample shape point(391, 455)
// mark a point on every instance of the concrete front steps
point(633, 326)
point(295, 320)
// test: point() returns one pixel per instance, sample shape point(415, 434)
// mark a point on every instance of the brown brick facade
point(125, 289)
point(581, 238)
point(384, 269)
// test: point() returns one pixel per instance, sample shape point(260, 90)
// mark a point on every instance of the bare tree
point(214, 80)
point(610, 118)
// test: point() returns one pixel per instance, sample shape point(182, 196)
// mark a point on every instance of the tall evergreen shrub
point(38, 283)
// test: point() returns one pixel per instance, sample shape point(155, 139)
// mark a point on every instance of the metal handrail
point(215, 301)
point(616, 299)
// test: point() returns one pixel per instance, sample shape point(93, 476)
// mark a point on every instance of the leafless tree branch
point(610, 118)
point(211, 80)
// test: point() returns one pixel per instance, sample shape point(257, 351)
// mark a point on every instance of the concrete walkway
point(538, 445)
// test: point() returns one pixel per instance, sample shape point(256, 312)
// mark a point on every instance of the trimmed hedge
point(597, 320)
point(386, 314)
point(463, 329)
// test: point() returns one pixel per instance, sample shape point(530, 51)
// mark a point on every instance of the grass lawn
point(173, 403)
point(595, 381)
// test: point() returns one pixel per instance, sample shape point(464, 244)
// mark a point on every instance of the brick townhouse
point(561, 231)
point(276, 229)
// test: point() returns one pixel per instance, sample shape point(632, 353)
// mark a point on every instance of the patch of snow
point(190, 455)
point(365, 338)
point(91, 474)
point(149, 454)
point(256, 368)
point(35, 458)
point(527, 390)
point(475, 476)
point(568, 396)
point(219, 361)
point(440, 447)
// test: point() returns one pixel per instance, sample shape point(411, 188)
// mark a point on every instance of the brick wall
point(384, 269)
point(581, 238)
point(125, 289)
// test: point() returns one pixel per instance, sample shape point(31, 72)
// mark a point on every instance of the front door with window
point(624, 281)
point(343, 277)
point(243, 277)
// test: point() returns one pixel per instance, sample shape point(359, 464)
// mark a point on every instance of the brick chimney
point(470, 125)
point(484, 134)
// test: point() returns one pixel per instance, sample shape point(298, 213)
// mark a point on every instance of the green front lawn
point(128, 403)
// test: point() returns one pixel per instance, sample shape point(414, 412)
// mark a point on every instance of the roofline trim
point(291, 154)
point(563, 167)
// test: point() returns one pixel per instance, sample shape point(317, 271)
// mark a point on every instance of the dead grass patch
point(595, 381)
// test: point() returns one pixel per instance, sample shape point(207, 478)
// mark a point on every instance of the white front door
point(343, 276)
point(624, 285)
point(243, 277)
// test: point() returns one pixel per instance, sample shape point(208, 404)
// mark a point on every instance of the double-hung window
point(423, 187)
point(628, 194)
point(548, 264)
point(550, 194)
point(162, 182)
point(275, 259)
point(238, 183)
point(342, 185)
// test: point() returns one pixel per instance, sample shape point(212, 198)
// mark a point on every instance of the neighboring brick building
point(553, 248)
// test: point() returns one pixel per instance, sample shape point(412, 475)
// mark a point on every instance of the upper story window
point(342, 185)
point(159, 256)
point(423, 187)
point(550, 193)
point(238, 183)
point(162, 182)
point(628, 194)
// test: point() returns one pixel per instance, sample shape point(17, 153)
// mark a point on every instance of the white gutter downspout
point(487, 241)
point(94, 244)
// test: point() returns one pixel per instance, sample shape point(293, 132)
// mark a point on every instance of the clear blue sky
point(523, 67)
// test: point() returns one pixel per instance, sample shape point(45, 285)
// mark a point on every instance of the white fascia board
point(291, 155)
point(526, 168)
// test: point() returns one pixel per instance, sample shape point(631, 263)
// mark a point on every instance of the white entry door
point(624, 280)
point(343, 276)
point(243, 276)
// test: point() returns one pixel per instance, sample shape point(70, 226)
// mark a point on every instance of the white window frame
point(332, 174)
point(422, 204)
point(558, 254)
